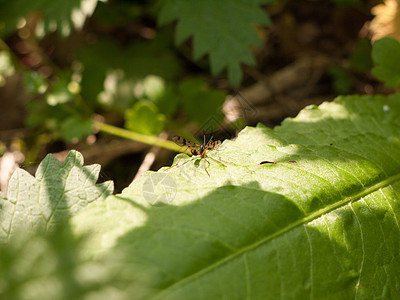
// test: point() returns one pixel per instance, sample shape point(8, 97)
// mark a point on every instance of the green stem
point(141, 138)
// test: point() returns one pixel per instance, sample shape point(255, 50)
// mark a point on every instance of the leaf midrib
point(309, 218)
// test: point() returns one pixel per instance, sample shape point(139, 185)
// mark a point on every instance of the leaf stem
point(141, 138)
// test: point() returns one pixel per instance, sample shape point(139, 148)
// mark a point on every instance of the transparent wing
point(183, 142)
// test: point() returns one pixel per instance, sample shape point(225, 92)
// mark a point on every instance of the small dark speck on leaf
point(267, 162)
point(272, 162)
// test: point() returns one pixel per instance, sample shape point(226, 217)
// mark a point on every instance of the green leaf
point(153, 87)
point(145, 58)
point(341, 79)
point(60, 92)
point(144, 118)
point(163, 95)
point(56, 192)
point(62, 15)
point(51, 266)
point(386, 56)
point(114, 76)
point(167, 103)
point(34, 82)
point(199, 101)
point(361, 59)
point(324, 227)
point(222, 29)
point(75, 128)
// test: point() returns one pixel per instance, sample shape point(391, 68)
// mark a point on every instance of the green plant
point(324, 226)
point(386, 55)
point(320, 222)
point(223, 30)
point(82, 76)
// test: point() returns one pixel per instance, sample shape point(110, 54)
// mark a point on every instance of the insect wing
point(180, 141)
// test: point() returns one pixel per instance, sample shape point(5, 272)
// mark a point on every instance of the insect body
point(196, 149)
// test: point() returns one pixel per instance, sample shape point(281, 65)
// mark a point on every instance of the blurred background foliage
point(163, 68)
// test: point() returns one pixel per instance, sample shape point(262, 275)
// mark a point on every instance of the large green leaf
point(324, 227)
point(55, 193)
point(222, 29)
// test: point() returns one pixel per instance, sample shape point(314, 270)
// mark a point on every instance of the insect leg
point(205, 169)
point(184, 152)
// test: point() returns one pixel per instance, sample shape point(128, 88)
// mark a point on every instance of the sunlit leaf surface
point(322, 223)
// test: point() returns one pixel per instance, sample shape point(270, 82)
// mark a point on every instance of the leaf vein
point(299, 222)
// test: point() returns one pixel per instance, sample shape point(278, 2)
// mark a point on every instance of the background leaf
point(63, 15)
point(144, 118)
point(202, 104)
point(361, 59)
point(134, 62)
point(75, 128)
point(324, 226)
point(217, 26)
point(341, 79)
point(386, 56)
